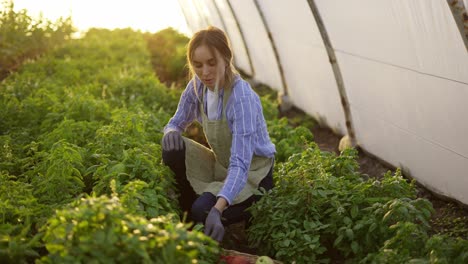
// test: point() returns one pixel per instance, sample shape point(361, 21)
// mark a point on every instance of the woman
point(218, 184)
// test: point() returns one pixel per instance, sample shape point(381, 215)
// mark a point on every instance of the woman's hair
point(215, 40)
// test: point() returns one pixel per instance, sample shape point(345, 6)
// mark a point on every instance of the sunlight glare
point(144, 15)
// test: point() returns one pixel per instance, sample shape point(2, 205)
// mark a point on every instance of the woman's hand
point(213, 226)
point(172, 141)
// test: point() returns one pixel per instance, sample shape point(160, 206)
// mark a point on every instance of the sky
point(144, 15)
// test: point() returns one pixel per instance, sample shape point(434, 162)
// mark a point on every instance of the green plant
point(321, 204)
point(412, 245)
point(86, 118)
point(23, 38)
point(18, 244)
point(58, 178)
point(287, 139)
point(70, 121)
point(17, 202)
point(168, 49)
point(101, 230)
point(445, 249)
point(270, 107)
point(19, 211)
point(143, 163)
point(148, 200)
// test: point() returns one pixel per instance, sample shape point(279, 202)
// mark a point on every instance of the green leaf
point(358, 226)
point(347, 220)
point(387, 215)
point(354, 211)
point(338, 240)
point(350, 233)
point(355, 247)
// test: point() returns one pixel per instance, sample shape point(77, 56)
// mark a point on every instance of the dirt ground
point(449, 217)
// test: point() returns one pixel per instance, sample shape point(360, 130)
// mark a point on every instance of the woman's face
point(210, 68)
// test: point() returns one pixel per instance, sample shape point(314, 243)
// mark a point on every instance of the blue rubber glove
point(172, 141)
point(213, 226)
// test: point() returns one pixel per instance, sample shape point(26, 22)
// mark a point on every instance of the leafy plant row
point(23, 37)
point(81, 172)
point(323, 210)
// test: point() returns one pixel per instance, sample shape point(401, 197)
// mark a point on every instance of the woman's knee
point(202, 206)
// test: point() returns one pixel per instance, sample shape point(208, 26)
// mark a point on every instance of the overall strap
point(226, 95)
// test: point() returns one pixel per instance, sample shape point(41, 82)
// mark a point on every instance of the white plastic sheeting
point(237, 40)
point(204, 14)
point(200, 14)
point(192, 15)
point(260, 49)
point(405, 71)
point(308, 73)
point(411, 121)
point(420, 35)
point(212, 11)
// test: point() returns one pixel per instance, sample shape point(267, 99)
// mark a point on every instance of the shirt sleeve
point(186, 111)
point(243, 142)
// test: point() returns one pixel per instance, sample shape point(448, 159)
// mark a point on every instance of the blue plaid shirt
point(247, 124)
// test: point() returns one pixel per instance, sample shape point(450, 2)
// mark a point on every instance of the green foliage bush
point(58, 176)
point(127, 130)
point(136, 164)
point(17, 202)
point(80, 120)
point(270, 108)
point(168, 50)
point(322, 207)
point(78, 133)
point(7, 157)
point(412, 245)
point(18, 244)
point(87, 119)
point(19, 211)
point(101, 230)
point(287, 139)
point(148, 199)
point(24, 38)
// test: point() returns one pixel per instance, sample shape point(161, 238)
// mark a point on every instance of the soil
point(449, 217)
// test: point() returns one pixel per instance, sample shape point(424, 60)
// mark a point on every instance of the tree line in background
point(23, 38)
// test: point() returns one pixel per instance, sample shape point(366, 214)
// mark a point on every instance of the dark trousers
point(199, 205)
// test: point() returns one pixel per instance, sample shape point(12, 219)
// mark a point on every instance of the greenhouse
point(364, 102)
